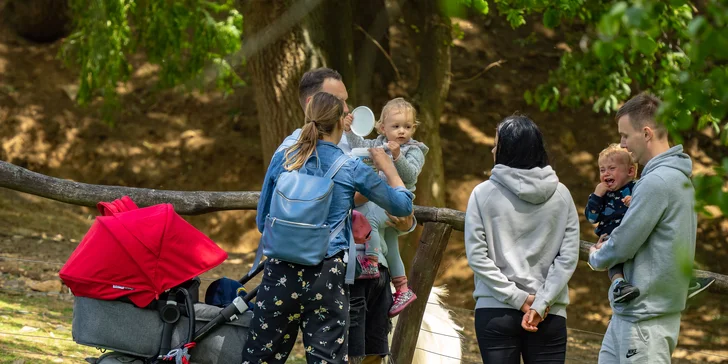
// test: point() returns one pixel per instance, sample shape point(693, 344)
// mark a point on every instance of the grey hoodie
point(656, 239)
point(521, 238)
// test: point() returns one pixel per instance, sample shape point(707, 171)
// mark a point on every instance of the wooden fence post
point(432, 246)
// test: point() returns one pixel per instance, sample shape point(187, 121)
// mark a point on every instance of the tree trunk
point(331, 28)
point(433, 37)
point(38, 20)
point(276, 70)
point(373, 18)
point(432, 90)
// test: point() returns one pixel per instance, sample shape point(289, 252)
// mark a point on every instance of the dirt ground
point(170, 140)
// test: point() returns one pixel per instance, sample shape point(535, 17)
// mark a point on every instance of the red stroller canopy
point(138, 253)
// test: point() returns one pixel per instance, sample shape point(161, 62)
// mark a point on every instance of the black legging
point(502, 340)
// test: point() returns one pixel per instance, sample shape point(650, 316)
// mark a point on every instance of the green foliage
point(460, 8)
point(710, 188)
point(676, 49)
point(181, 37)
point(553, 11)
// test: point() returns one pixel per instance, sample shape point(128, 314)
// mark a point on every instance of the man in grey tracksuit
point(655, 241)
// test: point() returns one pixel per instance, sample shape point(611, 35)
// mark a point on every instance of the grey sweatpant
point(635, 342)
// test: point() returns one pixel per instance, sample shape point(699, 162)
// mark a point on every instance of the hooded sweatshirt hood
point(673, 158)
point(535, 185)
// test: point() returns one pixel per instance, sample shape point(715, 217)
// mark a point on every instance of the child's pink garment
point(361, 227)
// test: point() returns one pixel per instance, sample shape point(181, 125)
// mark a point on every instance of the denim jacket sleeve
point(396, 201)
point(271, 176)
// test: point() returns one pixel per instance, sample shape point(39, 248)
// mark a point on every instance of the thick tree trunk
point(432, 90)
point(276, 70)
point(433, 39)
point(38, 20)
point(331, 28)
point(373, 18)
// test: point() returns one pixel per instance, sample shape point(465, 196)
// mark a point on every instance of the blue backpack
point(296, 230)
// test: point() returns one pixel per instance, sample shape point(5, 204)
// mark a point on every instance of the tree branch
point(83, 194)
point(376, 43)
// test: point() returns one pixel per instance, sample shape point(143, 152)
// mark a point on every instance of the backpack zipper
point(296, 223)
point(315, 199)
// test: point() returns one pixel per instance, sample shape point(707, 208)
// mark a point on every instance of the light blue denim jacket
point(352, 177)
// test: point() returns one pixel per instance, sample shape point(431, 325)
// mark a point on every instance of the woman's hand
point(384, 163)
point(527, 305)
point(380, 158)
point(531, 319)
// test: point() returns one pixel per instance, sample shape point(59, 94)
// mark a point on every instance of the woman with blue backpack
point(304, 214)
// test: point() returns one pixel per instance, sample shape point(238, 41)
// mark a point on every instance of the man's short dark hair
point(642, 111)
point(312, 81)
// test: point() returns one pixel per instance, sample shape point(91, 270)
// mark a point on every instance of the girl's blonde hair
point(614, 150)
point(323, 114)
point(397, 105)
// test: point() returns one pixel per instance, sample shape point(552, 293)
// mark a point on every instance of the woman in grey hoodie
point(522, 243)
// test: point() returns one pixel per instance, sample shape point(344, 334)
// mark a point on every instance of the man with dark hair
point(313, 81)
point(316, 80)
point(655, 241)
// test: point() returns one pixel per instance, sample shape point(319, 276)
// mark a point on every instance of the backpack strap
point(351, 261)
point(336, 166)
point(351, 264)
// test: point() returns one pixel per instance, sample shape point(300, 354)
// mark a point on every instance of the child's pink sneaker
point(369, 269)
point(401, 300)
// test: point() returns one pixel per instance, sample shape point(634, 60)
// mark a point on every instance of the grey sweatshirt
point(521, 238)
point(410, 161)
point(656, 239)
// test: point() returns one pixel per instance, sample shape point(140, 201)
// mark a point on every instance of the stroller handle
point(229, 313)
point(246, 278)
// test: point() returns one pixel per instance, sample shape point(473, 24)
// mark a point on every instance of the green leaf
point(603, 50)
point(645, 44)
point(683, 120)
point(528, 97)
point(551, 18)
point(696, 26)
point(635, 17)
point(481, 6)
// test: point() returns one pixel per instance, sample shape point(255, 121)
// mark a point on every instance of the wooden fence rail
point(438, 223)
